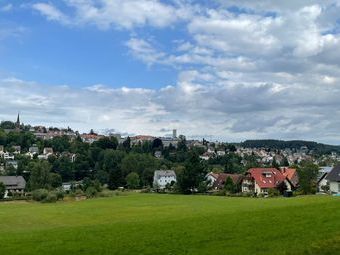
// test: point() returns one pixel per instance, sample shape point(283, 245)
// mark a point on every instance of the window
point(339, 187)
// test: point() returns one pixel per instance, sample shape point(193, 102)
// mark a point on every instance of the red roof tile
point(266, 177)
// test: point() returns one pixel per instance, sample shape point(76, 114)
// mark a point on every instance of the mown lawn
point(172, 224)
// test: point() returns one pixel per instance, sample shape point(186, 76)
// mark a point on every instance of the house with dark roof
point(261, 180)
point(217, 181)
point(211, 178)
point(321, 179)
point(333, 178)
point(13, 184)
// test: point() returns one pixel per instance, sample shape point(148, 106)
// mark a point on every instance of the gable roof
point(222, 177)
point(214, 175)
point(334, 174)
point(291, 175)
point(266, 177)
point(13, 182)
point(164, 173)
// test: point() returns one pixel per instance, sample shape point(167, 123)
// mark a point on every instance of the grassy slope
point(172, 224)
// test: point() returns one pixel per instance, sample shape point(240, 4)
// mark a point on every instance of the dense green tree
point(193, 174)
point(40, 175)
point(106, 143)
point(182, 144)
point(2, 190)
point(307, 172)
point(232, 163)
point(3, 137)
point(229, 185)
point(61, 144)
point(7, 125)
point(157, 144)
point(143, 164)
point(127, 144)
point(64, 167)
point(55, 180)
point(111, 164)
point(132, 180)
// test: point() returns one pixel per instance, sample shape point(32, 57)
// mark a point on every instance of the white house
point(33, 150)
point(48, 151)
point(333, 178)
point(8, 156)
point(163, 177)
point(211, 178)
point(322, 181)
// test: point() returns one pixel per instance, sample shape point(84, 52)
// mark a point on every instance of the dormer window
point(267, 174)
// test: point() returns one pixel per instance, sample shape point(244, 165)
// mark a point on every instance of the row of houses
point(256, 180)
point(260, 180)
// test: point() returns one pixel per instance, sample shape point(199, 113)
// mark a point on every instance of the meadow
point(172, 224)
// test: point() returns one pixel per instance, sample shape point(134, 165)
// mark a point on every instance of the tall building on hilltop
point(174, 133)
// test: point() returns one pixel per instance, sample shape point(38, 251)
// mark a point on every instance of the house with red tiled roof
point(291, 175)
point(261, 180)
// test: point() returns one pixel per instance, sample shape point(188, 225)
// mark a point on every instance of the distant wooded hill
point(294, 144)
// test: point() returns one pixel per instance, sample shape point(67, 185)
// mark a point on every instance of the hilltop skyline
point(232, 70)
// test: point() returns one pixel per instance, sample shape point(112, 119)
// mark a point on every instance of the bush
point(247, 194)
point(60, 194)
point(273, 193)
point(39, 194)
point(91, 192)
point(106, 193)
point(220, 193)
point(51, 198)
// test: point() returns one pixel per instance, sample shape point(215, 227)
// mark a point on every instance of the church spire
point(18, 118)
point(17, 124)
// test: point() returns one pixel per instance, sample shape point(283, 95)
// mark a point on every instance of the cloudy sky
point(227, 70)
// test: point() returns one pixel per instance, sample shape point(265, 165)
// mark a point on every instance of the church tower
point(17, 123)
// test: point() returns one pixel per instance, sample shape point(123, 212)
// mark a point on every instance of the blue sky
point(47, 52)
point(228, 70)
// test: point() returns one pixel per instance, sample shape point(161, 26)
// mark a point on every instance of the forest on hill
point(294, 144)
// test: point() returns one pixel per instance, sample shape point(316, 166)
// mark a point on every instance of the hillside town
point(227, 167)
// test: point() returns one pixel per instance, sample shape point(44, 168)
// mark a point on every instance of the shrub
point(91, 192)
point(51, 198)
point(273, 193)
point(79, 192)
point(106, 193)
point(2, 190)
point(246, 194)
point(60, 194)
point(220, 193)
point(39, 194)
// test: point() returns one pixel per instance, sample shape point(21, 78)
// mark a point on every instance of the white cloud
point(51, 12)
point(143, 50)
point(270, 69)
point(125, 14)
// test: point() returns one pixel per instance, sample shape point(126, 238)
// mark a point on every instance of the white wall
point(334, 187)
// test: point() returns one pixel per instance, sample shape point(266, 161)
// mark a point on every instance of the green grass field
point(172, 224)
